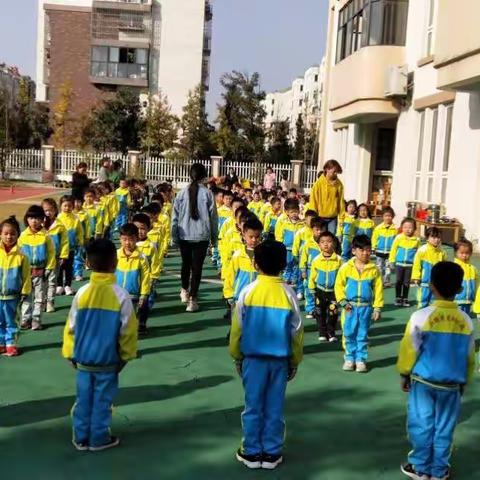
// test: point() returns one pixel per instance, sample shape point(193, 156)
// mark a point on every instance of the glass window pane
point(417, 188)
point(114, 54)
point(444, 190)
point(376, 22)
point(431, 11)
point(131, 55)
point(348, 40)
point(99, 69)
point(123, 57)
point(113, 70)
point(122, 70)
point(448, 137)
point(430, 189)
point(420, 141)
point(433, 144)
point(141, 56)
point(99, 54)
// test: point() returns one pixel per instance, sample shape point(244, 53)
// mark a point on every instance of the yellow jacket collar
point(102, 278)
point(14, 249)
point(333, 256)
point(28, 231)
point(368, 266)
point(269, 278)
point(122, 254)
point(444, 304)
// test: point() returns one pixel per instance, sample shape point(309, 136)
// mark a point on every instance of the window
point(273, 101)
point(271, 113)
point(316, 78)
point(370, 22)
point(300, 102)
point(448, 138)
point(119, 62)
point(430, 16)
point(433, 141)
point(301, 88)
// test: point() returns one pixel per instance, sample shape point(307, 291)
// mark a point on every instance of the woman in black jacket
point(80, 181)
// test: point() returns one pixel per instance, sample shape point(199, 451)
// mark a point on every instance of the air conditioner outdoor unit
point(396, 81)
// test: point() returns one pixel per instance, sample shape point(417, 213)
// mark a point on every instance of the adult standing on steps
point(194, 227)
point(326, 197)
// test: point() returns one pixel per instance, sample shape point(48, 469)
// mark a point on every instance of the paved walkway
point(178, 412)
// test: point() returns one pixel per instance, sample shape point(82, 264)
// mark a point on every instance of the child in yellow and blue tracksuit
point(382, 241)
point(436, 361)
point(256, 204)
point(359, 291)
point(15, 283)
point(346, 229)
point(94, 215)
point(79, 256)
point(224, 231)
point(266, 342)
point(285, 231)
point(310, 250)
point(38, 247)
point(75, 241)
point(58, 233)
point(425, 258)
point(224, 212)
point(463, 251)
point(148, 249)
point(100, 337)
point(271, 218)
point(321, 284)
point(164, 224)
point(401, 256)
point(122, 194)
point(133, 271)
point(364, 223)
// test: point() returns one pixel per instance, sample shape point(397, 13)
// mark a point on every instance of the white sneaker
point(184, 296)
point(348, 366)
point(59, 291)
point(299, 296)
point(192, 306)
point(50, 307)
point(333, 339)
point(308, 315)
point(78, 278)
point(322, 339)
point(361, 367)
point(69, 291)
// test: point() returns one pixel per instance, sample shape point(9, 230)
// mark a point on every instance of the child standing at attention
point(224, 212)
point(403, 252)
point(271, 218)
point(58, 233)
point(122, 194)
point(38, 247)
point(79, 256)
point(94, 215)
point(425, 258)
point(98, 354)
point(75, 241)
point(382, 241)
point(266, 342)
point(321, 284)
point(359, 291)
point(15, 268)
point(347, 229)
point(463, 251)
point(436, 360)
point(364, 223)
point(285, 231)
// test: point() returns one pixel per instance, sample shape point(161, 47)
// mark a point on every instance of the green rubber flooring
point(178, 411)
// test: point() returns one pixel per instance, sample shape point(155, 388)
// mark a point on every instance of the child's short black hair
point(361, 241)
point(34, 211)
point(228, 193)
point(432, 232)
point(328, 234)
point(52, 203)
point(12, 222)
point(366, 206)
point(447, 278)
point(389, 210)
point(153, 208)
point(291, 204)
point(158, 199)
point(252, 223)
point(142, 218)
point(292, 190)
point(311, 213)
point(65, 199)
point(409, 220)
point(246, 217)
point(271, 257)
point(463, 242)
point(101, 255)
point(275, 200)
point(317, 222)
point(129, 230)
point(242, 210)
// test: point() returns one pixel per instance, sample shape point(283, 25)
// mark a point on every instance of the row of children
point(42, 261)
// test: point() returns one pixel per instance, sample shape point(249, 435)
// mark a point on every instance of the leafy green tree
point(311, 144)
point(240, 134)
point(279, 149)
point(299, 147)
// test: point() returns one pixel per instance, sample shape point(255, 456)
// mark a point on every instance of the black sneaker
point(250, 461)
point(113, 442)
point(398, 302)
point(270, 462)
point(409, 470)
point(142, 330)
point(406, 303)
point(80, 446)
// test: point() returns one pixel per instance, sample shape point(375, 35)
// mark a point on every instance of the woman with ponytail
point(194, 227)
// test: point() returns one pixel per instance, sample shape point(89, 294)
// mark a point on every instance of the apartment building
point(402, 103)
point(100, 45)
point(10, 82)
point(302, 98)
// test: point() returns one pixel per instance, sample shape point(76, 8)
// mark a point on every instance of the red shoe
point(2, 349)
point(11, 351)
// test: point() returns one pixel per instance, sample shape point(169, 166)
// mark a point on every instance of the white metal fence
point(160, 169)
point(310, 175)
point(255, 171)
point(23, 164)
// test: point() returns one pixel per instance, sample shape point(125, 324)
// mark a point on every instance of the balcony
point(457, 46)
point(125, 5)
point(358, 85)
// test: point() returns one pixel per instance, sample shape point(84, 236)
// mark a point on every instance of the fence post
point(216, 166)
point(48, 164)
point(297, 172)
point(134, 160)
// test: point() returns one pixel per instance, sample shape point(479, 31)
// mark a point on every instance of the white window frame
point(430, 16)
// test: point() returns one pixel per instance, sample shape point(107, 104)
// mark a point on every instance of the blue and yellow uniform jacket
point(270, 221)
point(438, 346)
point(38, 247)
point(157, 236)
point(133, 273)
point(150, 252)
point(364, 226)
point(426, 257)
point(383, 237)
point(166, 223)
point(285, 231)
point(15, 279)
point(101, 329)
point(303, 235)
point(124, 199)
point(347, 226)
point(403, 250)
point(94, 219)
point(223, 213)
point(264, 211)
point(359, 289)
point(469, 284)
point(104, 212)
point(239, 272)
point(231, 244)
point(323, 272)
point(255, 207)
point(267, 322)
point(310, 251)
point(58, 233)
point(112, 205)
point(83, 219)
point(74, 229)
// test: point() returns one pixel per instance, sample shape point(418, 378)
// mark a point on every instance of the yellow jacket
point(15, 279)
point(301, 237)
point(74, 229)
point(347, 226)
point(383, 238)
point(38, 248)
point(233, 244)
point(364, 226)
point(469, 284)
point(94, 218)
point(323, 272)
point(365, 289)
point(58, 233)
point(133, 273)
point(150, 252)
point(285, 231)
point(327, 198)
point(426, 257)
point(403, 250)
point(239, 272)
point(255, 207)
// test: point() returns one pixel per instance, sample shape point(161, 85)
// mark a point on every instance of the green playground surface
point(178, 410)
